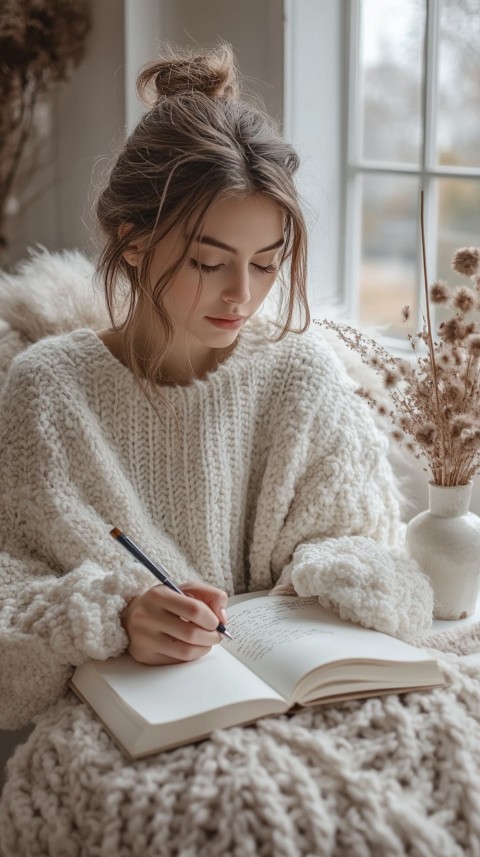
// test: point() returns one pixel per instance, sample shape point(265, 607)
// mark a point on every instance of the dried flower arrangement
point(435, 399)
point(40, 42)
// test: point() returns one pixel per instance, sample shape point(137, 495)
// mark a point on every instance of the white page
point(173, 692)
point(282, 638)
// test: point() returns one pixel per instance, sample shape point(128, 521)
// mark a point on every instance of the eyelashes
point(210, 269)
point(205, 269)
point(268, 269)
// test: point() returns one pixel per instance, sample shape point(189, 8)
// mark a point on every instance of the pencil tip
point(115, 533)
point(227, 634)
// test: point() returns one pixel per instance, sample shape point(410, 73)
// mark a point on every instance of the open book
point(286, 651)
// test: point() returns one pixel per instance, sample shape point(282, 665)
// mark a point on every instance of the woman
point(231, 448)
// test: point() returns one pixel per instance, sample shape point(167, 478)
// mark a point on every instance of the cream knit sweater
point(274, 468)
point(269, 469)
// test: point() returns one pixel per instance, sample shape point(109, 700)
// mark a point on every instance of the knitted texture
point(358, 579)
point(248, 477)
point(270, 451)
point(389, 776)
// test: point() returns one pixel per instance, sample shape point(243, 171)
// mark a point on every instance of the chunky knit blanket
point(390, 776)
point(393, 775)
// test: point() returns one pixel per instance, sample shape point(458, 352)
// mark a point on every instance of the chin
point(220, 334)
point(223, 338)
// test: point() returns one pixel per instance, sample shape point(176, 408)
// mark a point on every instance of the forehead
point(251, 220)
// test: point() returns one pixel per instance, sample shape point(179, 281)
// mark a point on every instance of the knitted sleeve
point(332, 490)
point(63, 581)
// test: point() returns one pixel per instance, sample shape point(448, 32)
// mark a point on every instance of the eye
point(268, 269)
point(205, 269)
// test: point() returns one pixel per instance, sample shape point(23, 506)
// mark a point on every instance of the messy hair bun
point(212, 73)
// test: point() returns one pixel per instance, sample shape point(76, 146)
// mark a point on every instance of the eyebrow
point(206, 239)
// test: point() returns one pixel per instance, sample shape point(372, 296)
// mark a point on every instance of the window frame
point(315, 97)
point(428, 170)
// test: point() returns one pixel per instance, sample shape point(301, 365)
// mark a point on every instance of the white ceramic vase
point(445, 541)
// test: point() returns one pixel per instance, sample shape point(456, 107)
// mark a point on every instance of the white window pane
point(391, 57)
point(458, 222)
point(458, 121)
point(388, 274)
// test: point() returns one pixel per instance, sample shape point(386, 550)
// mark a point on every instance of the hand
point(164, 627)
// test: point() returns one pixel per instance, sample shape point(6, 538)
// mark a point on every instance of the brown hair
point(198, 141)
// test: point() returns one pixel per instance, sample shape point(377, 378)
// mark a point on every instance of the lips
point(226, 317)
point(227, 322)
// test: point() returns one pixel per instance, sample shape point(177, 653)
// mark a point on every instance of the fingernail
point(223, 615)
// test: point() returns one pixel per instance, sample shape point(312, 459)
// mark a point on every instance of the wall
point(87, 119)
point(90, 114)
point(253, 28)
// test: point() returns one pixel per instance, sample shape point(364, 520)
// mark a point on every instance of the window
point(413, 123)
point(405, 75)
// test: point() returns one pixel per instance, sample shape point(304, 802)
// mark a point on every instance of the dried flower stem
point(435, 400)
point(430, 338)
point(465, 393)
point(26, 120)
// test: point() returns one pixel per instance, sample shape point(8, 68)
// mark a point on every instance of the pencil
point(157, 570)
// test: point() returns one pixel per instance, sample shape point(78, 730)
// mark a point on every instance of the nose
point(238, 289)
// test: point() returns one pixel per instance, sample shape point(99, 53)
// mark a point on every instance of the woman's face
point(237, 257)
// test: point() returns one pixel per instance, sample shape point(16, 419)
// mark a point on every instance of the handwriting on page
point(257, 631)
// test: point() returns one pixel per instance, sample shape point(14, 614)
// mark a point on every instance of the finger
point(160, 598)
point(168, 651)
point(145, 626)
point(181, 650)
point(187, 632)
point(215, 598)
